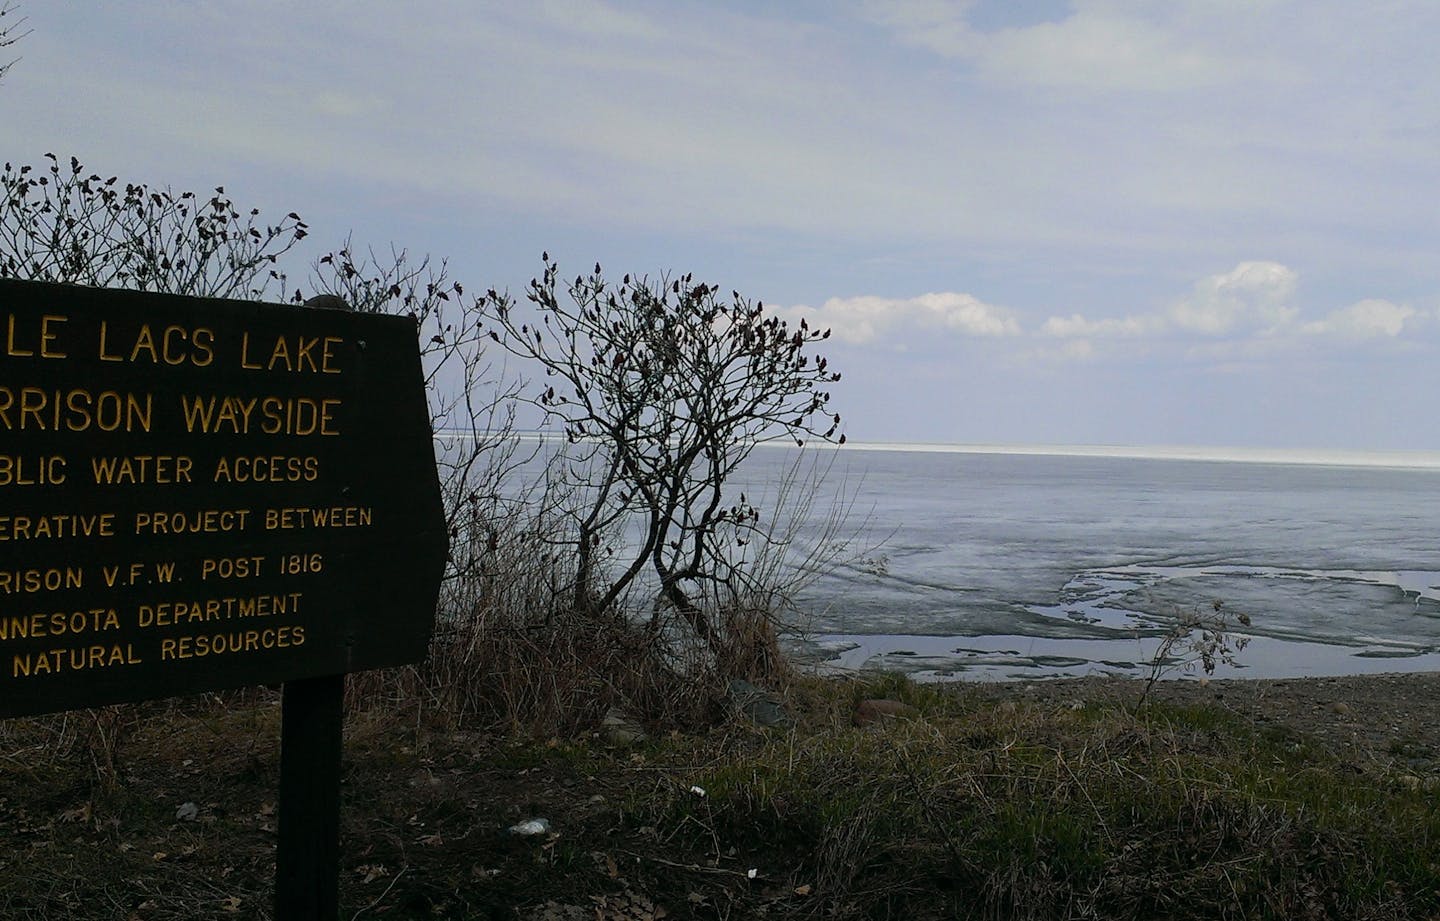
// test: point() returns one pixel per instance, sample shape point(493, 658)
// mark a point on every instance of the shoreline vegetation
point(1279, 798)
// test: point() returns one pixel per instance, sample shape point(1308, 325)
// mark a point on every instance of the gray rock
point(620, 729)
point(758, 705)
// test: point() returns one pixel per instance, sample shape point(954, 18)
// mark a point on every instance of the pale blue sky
point(1174, 222)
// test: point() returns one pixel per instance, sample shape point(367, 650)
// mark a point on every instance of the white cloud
point(1252, 295)
point(1076, 325)
point(1367, 319)
point(867, 318)
point(1100, 51)
point(1246, 313)
point(1099, 46)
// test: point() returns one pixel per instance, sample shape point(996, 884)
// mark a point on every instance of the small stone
point(876, 710)
point(620, 729)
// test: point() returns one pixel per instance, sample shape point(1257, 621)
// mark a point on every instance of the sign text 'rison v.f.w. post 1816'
point(200, 494)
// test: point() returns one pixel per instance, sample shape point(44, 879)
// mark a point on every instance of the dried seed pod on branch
point(62, 224)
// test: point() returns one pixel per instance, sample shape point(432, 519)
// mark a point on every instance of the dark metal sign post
point(307, 853)
point(200, 494)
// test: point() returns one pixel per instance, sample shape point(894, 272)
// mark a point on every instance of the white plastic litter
point(531, 827)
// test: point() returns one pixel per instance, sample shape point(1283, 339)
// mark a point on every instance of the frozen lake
point(984, 563)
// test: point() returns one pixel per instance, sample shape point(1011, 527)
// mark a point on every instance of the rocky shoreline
point(1384, 720)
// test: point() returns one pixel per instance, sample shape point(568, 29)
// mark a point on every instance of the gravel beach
point(1371, 720)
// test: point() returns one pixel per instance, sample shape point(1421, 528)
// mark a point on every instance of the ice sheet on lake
point(1023, 658)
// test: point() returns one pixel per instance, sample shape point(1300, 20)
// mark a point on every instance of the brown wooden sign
point(201, 494)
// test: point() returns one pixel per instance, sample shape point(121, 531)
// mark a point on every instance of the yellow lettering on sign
point(338, 516)
point(207, 521)
point(273, 468)
point(213, 610)
point(161, 469)
point(11, 348)
point(144, 341)
point(235, 415)
point(30, 581)
point(238, 641)
point(104, 355)
point(17, 470)
point(138, 573)
point(57, 624)
point(296, 354)
point(53, 527)
point(77, 410)
point(41, 338)
point(230, 567)
point(80, 658)
point(175, 345)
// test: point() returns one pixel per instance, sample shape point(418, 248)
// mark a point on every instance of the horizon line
point(1327, 457)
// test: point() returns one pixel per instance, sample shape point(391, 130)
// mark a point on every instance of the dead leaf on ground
point(81, 813)
point(370, 872)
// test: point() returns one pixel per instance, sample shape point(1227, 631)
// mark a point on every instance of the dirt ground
point(169, 811)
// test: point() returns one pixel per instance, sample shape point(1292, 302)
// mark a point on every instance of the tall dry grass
point(511, 648)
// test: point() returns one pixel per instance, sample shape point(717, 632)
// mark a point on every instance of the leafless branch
point(11, 31)
point(60, 224)
point(664, 388)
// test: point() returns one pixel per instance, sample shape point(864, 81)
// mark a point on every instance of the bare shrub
point(661, 390)
point(472, 403)
point(62, 224)
point(1199, 637)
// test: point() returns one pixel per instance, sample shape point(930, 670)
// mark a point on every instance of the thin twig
point(382, 895)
